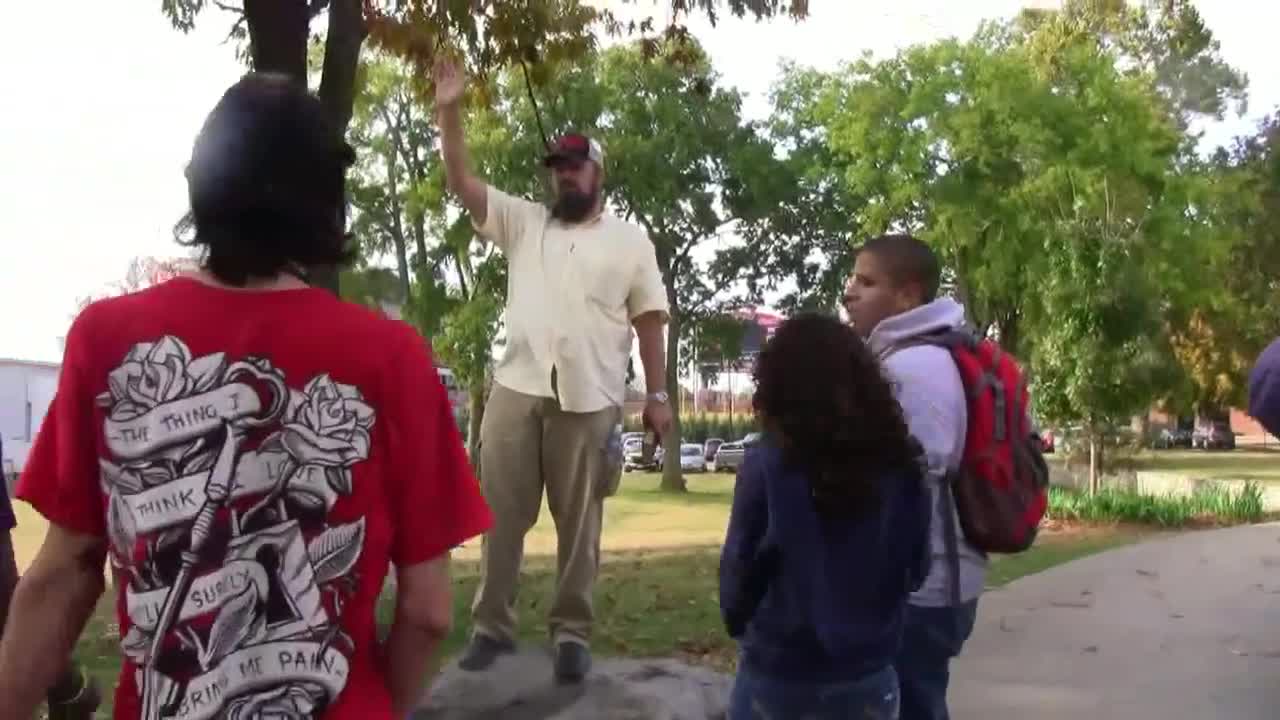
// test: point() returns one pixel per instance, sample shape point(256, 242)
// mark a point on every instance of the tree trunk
point(1010, 336)
point(402, 266)
point(278, 32)
point(1144, 429)
point(397, 227)
point(418, 225)
point(672, 476)
point(341, 58)
point(1094, 481)
point(476, 395)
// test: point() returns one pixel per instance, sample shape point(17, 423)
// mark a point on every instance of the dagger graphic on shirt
point(216, 492)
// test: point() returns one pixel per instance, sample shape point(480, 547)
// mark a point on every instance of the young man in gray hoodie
point(891, 299)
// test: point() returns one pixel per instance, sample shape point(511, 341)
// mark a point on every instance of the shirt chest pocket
point(604, 269)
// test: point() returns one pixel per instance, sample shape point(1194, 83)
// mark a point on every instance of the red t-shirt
point(256, 461)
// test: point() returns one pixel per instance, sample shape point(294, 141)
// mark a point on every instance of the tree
point(680, 162)
point(462, 314)
point(1217, 338)
point(374, 287)
point(391, 186)
point(1165, 41)
point(1166, 45)
point(1100, 358)
point(951, 142)
point(811, 221)
point(143, 272)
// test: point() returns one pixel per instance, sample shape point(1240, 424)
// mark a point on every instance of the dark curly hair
point(267, 183)
point(820, 390)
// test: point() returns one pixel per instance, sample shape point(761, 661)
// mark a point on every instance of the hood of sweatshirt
point(941, 314)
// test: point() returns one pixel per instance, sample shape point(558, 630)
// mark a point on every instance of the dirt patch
point(1067, 530)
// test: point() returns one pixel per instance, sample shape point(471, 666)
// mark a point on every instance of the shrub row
point(702, 426)
point(1212, 503)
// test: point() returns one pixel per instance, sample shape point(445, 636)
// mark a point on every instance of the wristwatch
point(659, 397)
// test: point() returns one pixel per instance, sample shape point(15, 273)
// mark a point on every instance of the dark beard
point(573, 206)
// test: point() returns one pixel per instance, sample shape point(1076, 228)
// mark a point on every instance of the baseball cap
point(1264, 389)
point(574, 146)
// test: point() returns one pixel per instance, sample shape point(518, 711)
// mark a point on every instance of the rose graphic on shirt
point(155, 373)
point(219, 481)
point(328, 425)
point(296, 701)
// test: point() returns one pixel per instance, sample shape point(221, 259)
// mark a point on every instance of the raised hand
point(450, 81)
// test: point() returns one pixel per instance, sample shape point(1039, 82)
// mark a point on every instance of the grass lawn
point(657, 592)
point(1257, 464)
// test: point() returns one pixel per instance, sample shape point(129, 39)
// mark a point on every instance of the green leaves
point(1046, 162)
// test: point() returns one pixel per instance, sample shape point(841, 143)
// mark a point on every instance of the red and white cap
point(574, 147)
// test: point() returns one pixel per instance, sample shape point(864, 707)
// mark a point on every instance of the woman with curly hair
point(828, 533)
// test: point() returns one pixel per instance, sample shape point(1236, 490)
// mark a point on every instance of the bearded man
point(579, 282)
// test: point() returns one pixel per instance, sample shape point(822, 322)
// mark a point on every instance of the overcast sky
point(102, 109)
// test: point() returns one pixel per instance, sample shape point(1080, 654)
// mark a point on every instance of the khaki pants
point(528, 443)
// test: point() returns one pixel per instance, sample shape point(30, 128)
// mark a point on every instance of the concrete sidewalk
point(1186, 628)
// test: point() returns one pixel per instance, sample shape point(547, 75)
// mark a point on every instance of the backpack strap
point(951, 534)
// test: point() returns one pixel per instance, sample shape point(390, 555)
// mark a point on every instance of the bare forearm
point(652, 351)
point(470, 191)
point(46, 615)
point(453, 146)
point(409, 657)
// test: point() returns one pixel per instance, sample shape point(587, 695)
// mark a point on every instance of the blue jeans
point(759, 697)
point(930, 638)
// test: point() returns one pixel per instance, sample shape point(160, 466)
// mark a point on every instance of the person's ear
point(909, 295)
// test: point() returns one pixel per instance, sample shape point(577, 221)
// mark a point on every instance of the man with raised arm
point(580, 280)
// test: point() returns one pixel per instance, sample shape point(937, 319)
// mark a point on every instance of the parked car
point(728, 457)
point(710, 447)
point(633, 455)
point(692, 458)
point(1214, 436)
point(1170, 438)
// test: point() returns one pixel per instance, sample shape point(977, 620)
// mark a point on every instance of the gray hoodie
point(931, 393)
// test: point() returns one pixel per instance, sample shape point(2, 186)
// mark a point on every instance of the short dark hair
point(820, 388)
point(267, 182)
point(908, 259)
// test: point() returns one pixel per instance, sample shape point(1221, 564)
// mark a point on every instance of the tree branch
point(537, 114)
point(463, 273)
point(237, 29)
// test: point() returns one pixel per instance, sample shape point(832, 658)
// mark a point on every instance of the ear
point(909, 295)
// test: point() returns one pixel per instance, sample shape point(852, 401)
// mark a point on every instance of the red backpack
point(1001, 489)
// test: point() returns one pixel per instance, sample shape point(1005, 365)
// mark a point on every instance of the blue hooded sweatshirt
point(819, 599)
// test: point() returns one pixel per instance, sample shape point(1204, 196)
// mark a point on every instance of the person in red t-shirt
point(251, 455)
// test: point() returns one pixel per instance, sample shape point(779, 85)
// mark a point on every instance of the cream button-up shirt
point(572, 292)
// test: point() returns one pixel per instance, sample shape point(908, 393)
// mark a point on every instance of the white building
point(26, 389)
